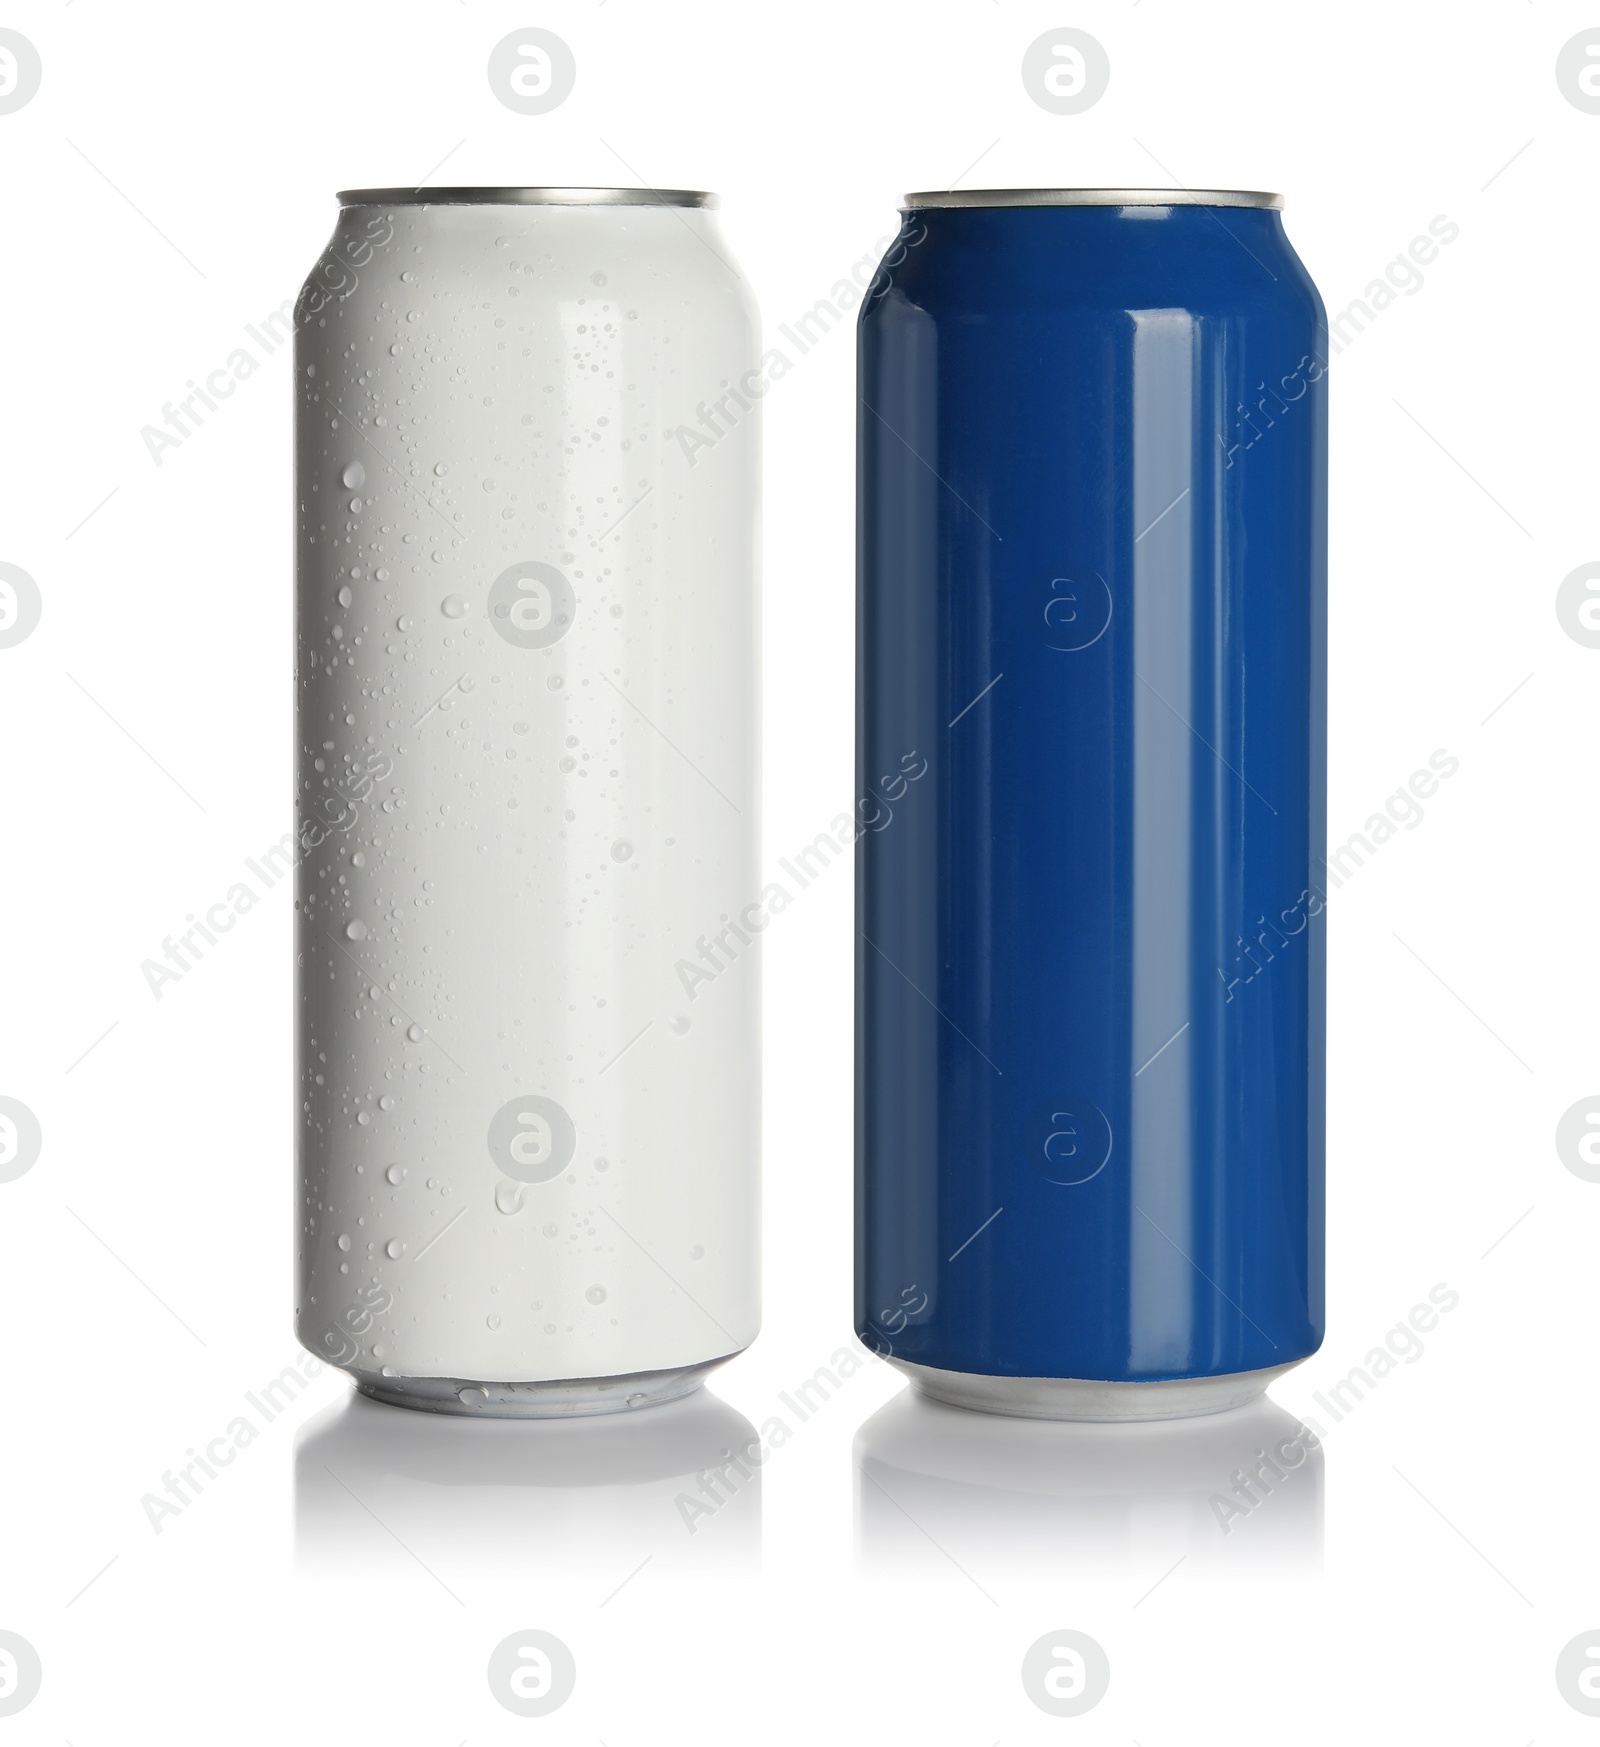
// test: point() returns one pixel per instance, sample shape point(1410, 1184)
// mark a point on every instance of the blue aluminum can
point(1091, 965)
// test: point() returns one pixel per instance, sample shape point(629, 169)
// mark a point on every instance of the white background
point(1427, 1572)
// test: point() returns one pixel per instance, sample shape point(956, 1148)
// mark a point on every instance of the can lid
point(525, 197)
point(1093, 197)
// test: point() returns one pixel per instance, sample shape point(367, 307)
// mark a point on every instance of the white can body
point(527, 786)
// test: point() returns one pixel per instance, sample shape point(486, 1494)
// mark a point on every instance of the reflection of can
point(682, 1486)
point(1072, 1498)
point(1091, 966)
point(526, 799)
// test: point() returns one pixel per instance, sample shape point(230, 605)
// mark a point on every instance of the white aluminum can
point(527, 479)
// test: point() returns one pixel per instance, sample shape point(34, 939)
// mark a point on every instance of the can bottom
point(557, 1398)
point(1087, 1398)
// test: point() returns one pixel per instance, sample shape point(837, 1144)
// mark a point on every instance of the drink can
point(527, 739)
point(1091, 965)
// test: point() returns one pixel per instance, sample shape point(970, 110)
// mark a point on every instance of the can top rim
point(525, 197)
point(1094, 197)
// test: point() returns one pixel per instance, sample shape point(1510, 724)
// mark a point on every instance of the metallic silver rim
point(1088, 1398)
point(1093, 197)
point(558, 1398)
point(525, 197)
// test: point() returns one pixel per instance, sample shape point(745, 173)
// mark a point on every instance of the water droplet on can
point(596, 1294)
point(396, 1173)
point(354, 476)
point(356, 930)
point(394, 1249)
point(453, 606)
point(621, 850)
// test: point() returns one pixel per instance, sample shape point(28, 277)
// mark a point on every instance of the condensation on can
point(527, 786)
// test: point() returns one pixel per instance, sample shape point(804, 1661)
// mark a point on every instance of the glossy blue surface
point(1091, 965)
